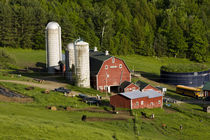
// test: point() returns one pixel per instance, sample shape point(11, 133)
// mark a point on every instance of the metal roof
point(141, 84)
point(206, 86)
point(138, 94)
point(125, 84)
point(96, 60)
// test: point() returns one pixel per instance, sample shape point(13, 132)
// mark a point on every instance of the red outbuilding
point(107, 72)
point(137, 99)
point(128, 86)
point(145, 87)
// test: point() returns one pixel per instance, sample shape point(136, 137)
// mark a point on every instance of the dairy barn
point(84, 67)
point(107, 72)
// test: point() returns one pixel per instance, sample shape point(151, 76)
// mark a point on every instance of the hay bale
point(46, 91)
point(53, 108)
point(68, 108)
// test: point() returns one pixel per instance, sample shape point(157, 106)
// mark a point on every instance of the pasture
point(32, 120)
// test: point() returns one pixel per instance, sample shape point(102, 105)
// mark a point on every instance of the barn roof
point(206, 86)
point(96, 60)
point(138, 94)
point(141, 84)
point(125, 84)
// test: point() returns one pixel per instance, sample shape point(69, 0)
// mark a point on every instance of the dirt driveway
point(49, 85)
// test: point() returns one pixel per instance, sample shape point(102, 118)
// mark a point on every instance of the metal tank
point(82, 65)
point(53, 46)
point(70, 61)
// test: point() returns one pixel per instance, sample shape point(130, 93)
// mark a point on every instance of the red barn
point(128, 86)
point(137, 99)
point(145, 87)
point(107, 72)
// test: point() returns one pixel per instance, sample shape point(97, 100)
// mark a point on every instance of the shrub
point(197, 67)
point(6, 60)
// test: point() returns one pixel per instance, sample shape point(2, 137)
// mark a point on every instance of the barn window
point(159, 102)
point(106, 67)
point(113, 60)
point(134, 88)
point(142, 102)
point(120, 66)
point(151, 103)
point(137, 103)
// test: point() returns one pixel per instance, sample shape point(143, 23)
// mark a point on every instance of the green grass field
point(152, 64)
point(34, 121)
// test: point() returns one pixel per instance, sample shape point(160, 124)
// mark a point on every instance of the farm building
point(128, 86)
point(107, 72)
point(137, 99)
point(206, 89)
point(145, 87)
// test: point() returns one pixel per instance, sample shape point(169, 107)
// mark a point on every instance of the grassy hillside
point(153, 64)
point(33, 120)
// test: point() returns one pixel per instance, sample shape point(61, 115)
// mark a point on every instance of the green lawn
point(152, 64)
point(34, 121)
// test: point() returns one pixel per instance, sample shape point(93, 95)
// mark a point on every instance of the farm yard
point(32, 119)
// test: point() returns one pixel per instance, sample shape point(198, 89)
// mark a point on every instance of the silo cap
point(52, 25)
point(81, 43)
point(70, 46)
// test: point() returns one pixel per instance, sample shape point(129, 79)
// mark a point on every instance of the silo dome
point(52, 25)
point(53, 46)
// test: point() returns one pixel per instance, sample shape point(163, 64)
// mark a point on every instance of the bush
point(6, 60)
point(184, 68)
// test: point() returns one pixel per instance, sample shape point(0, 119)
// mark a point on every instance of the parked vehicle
point(189, 91)
point(63, 90)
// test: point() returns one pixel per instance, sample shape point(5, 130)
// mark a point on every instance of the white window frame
point(120, 66)
point(106, 67)
point(159, 102)
point(137, 103)
point(142, 102)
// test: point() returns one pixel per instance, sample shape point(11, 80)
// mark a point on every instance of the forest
point(172, 28)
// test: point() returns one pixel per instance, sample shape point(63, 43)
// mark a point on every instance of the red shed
point(107, 72)
point(137, 99)
point(145, 87)
point(128, 86)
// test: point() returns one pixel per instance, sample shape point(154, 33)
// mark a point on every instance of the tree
point(197, 41)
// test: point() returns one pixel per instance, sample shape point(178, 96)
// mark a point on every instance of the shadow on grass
point(39, 72)
point(150, 76)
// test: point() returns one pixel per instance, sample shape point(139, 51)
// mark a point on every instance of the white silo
point(82, 64)
point(53, 46)
point(70, 61)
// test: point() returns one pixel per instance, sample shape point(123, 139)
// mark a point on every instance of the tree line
point(174, 28)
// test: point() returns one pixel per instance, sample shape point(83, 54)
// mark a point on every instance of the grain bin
point(53, 46)
point(70, 61)
point(82, 65)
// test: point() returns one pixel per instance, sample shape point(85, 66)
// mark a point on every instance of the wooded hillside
point(175, 28)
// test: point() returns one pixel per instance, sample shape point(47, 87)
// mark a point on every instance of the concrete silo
point(70, 61)
point(53, 46)
point(82, 65)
